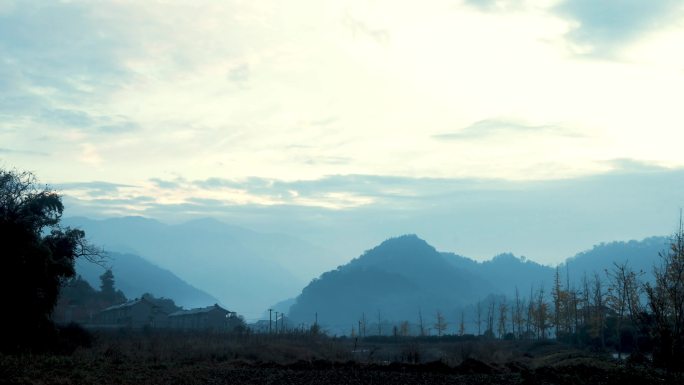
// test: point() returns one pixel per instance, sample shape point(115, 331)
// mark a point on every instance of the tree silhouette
point(37, 256)
point(440, 323)
point(108, 292)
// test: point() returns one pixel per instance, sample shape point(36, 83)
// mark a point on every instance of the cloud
point(627, 165)
point(478, 218)
point(330, 192)
point(361, 29)
point(22, 152)
point(503, 128)
point(604, 26)
point(491, 5)
point(59, 61)
point(166, 184)
point(62, 47)
point(94, 189)
point(111, 125)
point(239, 74)
point(66, 117)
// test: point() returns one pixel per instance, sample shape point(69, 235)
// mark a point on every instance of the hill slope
point(405, 274)
point(246, 270)
point(135, 276)
point(640, 255)
point(398, 278)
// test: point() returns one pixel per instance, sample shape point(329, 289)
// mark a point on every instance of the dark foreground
point(189, 359)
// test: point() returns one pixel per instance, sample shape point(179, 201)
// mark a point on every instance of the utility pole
point(363, 316)
point(270, 320)
point(276, 325)
point(379, 324)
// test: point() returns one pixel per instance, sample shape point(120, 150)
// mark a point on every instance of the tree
point(556, 294)
point(541, 313)
point(598, 320)
point(666, 302)
point(107, 283)
point(38, 257)
point(421, 326)
point(440, 323)
point(503, 311)
point(404, 329)
point(479, 318)
point(518, 314)
point(622, 297)
point(108, 292)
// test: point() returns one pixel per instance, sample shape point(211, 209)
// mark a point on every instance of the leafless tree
point(440, 323)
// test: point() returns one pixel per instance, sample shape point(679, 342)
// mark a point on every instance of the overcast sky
point(260, 111)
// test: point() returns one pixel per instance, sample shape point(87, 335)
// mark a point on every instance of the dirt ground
point(192, 359)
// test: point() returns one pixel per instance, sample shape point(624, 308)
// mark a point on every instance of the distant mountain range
point(405, 275)
point(246, 270)
point(249, 272)
point(135, 276)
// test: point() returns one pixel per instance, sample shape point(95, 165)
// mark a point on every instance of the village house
point(137, 313)
point(207, 318)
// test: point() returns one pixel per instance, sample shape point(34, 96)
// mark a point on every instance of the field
point(128, 357)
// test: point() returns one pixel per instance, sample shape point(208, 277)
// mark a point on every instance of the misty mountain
point(246, 270)
point(405, 274)
point(135, 276)
point(396, 279)
point(504, 272)
point(639, 255)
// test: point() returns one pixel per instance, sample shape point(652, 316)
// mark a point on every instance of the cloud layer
point(326, 110)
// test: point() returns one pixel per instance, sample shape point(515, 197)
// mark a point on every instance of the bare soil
point(140, 358)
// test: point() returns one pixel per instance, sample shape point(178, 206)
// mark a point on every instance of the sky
point(534, 126)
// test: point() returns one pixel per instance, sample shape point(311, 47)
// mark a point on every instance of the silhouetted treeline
point(38, 256)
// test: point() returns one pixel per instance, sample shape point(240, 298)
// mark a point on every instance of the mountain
point(135, 276)
point(504, 272)
point(396, 279)
point(405, 274)
point(639, 255)
point(246, 270)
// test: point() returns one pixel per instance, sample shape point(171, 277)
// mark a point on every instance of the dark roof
point(130, 303)
point(200, 310)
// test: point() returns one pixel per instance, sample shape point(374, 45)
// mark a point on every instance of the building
point(207, 318)
point(137, 313)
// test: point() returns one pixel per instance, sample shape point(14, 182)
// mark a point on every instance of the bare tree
point(622, 296)
point(666, 300)
point(530, 312)
point(440, 323)
point(479, 318)
point(517, 317)
point(461, 325)
point(404, 329)
point(556, 294)
point(490, 317)
point(503, 312)
point(586, 303)
point(598, 323)
point(379, 324)
point(542, 314)
point(421, 326)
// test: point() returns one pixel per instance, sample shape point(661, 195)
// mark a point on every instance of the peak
point(409, 245)
point(406, 239)
point(405, 243)
point(505, 257)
